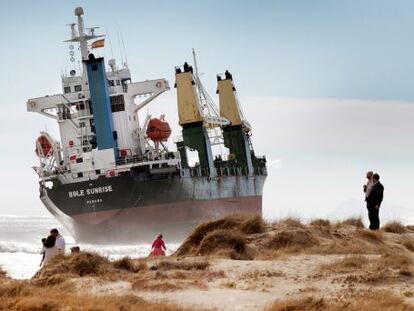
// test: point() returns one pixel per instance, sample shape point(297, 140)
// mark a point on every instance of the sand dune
point(238, 263)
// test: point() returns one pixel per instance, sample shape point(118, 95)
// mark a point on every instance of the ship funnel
point(79, 11)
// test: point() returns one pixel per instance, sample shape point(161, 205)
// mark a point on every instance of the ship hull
point(133, 209)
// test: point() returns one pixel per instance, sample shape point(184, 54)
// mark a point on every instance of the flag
point(98, 44)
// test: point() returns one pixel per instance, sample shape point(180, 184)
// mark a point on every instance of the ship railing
point(221, 171)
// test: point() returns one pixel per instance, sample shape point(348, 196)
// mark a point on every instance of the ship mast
point(81, 29)
point(82, 37)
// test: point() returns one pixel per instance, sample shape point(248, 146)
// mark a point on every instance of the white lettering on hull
point(89, 191)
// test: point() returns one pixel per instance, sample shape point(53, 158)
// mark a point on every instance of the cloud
point(273, 164)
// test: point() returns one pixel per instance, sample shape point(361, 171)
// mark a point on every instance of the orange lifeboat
point(158, 130)
point(44, 146)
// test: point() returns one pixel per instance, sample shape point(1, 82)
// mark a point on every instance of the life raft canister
point(43, 147)
point(158, 130)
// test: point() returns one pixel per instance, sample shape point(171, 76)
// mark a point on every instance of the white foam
point(20, 245)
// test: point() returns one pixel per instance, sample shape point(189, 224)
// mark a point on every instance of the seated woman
point(158, 246)
point(49, 249)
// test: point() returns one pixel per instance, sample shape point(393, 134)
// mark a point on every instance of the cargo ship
point(111, 177)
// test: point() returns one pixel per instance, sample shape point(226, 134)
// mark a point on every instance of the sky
point(326, 85)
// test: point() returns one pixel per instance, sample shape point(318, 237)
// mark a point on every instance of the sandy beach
point(237, 263)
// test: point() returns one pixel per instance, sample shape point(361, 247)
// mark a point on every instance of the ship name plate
point(89, 191)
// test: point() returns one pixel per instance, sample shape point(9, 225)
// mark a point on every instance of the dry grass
point(352, 221)
point(170, 280)
point(13, 288)
point(366, 301)
point(395, 260)
point(225, 237)
point(253, 224)
point(55, 280)
point(371, 236)
point(62, 268)
point(297, 238)
point(224, 243)
point(159, 285)
point(130, 265)
point(320, 223)
point(395, 227)
point(408, 243)
point(410, 228)
point(390, 267)
point(46, 300)
point(300, 304)
point(290, 222)
point(228, 237)
point(187, 265)
point(347, 264)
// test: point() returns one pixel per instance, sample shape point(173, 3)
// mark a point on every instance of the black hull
point(130, 209)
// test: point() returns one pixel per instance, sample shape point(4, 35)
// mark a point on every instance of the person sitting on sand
point(50, 249)
point(158, 246)
point(75, 250)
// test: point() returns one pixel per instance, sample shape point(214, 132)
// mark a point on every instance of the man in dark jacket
point(374, 200)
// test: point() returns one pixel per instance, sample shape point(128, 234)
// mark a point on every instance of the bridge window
point(117, 103)
point(66, 89)
point(78, 88)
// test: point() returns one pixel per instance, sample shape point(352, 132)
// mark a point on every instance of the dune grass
point(373, 258)
point(187, 265)
point(321, 223)
point(352, 221)
point(346, 264)
point(299, 238)
point(373, 270)
point(366, 301)
point(290, 222)
point(225, 237)
point(46, 300)
point(371, 236)
point(395, 227)
point(408, 243)
point(127, 264)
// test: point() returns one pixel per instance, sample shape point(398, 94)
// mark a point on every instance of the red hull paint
point(175, 212)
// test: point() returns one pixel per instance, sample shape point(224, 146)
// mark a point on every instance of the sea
point(20, 244)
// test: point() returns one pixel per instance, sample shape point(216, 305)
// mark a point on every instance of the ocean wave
point(112, 251)
point(19, 247)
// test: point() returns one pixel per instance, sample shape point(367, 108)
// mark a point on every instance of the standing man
point(367, 190)
point(374, 200)
point(60, 241)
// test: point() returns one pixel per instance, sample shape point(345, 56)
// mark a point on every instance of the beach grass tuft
point(363, 300)
point(351, 221)
point(395, 227)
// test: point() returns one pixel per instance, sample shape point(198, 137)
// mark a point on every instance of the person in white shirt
point(369, 184)
point(60, 241)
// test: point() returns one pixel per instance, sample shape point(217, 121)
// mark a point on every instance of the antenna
point(110, 46)
point(120, 50)
point(123, 45)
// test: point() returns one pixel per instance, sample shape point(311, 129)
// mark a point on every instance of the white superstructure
point(76, 157)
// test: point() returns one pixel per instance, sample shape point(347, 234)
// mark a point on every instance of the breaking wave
point(18, 247)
